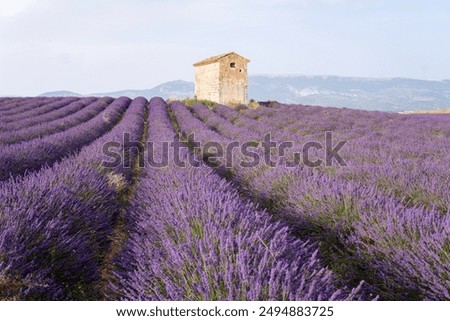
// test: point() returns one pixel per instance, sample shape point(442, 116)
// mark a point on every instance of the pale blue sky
point(107, 45)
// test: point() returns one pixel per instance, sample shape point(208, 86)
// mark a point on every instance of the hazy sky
point(106, 45)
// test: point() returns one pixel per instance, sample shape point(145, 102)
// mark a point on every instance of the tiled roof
point(213, 59)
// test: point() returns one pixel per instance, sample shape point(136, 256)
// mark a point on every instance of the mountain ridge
point(385, 94)
point(61, 93)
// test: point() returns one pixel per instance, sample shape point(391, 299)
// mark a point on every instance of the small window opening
point(240, 70)
point(233, 65)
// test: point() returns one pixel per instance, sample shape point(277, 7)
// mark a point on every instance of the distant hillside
point(394, 94)
point(61, 93)
point(390, 94)
point(173, 89)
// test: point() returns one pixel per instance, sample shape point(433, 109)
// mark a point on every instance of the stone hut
point(222, 79)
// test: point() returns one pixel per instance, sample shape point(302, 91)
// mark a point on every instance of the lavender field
point(375, 226)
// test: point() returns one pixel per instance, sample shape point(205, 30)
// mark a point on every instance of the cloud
point(9, 8)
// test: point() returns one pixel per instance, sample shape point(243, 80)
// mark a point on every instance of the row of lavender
point(178, 214)
point(85, 109)
point(38, 107)
point(191, 237)
point(54, 110)
point(401, 249)
point(389, 162)
point(56, 223)
point(420, 260)
point(384, 150)
point(6, 102)
point(31, 155)
point(23, 105)
point(56, 257)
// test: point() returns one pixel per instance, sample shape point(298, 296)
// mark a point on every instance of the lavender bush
point(58, 221)
point(33, 154)
point(261, 233)
point(193, 238)
point(88, 111)
point(37, 111)
point(26, 105)
point(325, 204)
point(57, 111)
